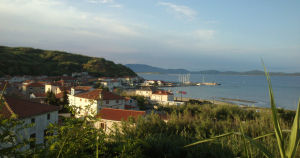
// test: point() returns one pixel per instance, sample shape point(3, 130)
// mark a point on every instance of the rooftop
point(24, 108)
point(118, 114)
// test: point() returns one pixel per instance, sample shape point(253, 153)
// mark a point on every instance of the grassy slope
point(30, 61)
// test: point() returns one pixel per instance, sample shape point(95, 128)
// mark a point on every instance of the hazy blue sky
point(195, 35)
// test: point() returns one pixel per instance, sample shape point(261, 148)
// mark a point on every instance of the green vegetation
point(30, 61)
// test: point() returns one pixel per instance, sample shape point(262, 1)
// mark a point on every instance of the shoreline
point(216, 102)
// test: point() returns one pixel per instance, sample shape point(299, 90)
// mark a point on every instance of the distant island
point(31, 61)
point(142, 68)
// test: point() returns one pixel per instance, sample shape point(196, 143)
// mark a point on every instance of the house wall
point(41, 124)
point(95, 105)
point(157, 97)
point(29, 90)
point(143, 93)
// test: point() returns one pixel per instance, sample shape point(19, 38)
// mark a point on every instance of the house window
point(80, 99)
point(102, 125)
point(107, 101)
point(85, 100)
point(48, 116)
point(117, 101)
point(32, 140)
point(130, 101)
point(30, 88)
point(42, 87)
point(32, 120)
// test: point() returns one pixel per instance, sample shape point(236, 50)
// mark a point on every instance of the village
point(25, 96)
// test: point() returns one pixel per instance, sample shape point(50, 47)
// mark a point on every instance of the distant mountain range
point(142, 68)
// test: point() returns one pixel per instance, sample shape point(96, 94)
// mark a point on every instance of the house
point(68, 78)
point(27, 82)
point(52, 86)
point(38, 95)
point(110, 116)
point(33, 88)
point(17, 78)
point(131, 104)
point(76, 74)
point(147, 91)
point(162, 96)
point(111, 84)
point(30, 112)
point(97, 99)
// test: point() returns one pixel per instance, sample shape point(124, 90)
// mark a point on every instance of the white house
point(97, 99)
point(111, 84)
point(162, 96)
point(30, 112)
point(147, 91)
point(110, 116)
point(131, 104)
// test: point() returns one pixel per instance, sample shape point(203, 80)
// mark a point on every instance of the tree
point(65, 102)
point(51, 99)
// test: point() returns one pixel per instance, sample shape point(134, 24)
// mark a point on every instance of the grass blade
point(244, 141)
point(259, 146)
point(209, 139)
point(295, 135)
point(275, 119)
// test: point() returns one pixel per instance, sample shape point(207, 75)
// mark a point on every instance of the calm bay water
point(251, 88)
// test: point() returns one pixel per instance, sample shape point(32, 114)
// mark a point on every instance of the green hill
point(30, 61)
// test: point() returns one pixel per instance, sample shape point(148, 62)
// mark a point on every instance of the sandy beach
point(212, 101)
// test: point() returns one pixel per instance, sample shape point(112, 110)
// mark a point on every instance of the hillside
point(142, 68)
point(30, 61)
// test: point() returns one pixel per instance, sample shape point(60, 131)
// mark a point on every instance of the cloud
point(180, 11)
point(101, 1)
point(206, 33)
point(116, 6)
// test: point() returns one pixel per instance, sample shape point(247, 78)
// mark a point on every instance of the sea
point(286, 89)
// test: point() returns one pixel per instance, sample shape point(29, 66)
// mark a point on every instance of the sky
point(191, 34)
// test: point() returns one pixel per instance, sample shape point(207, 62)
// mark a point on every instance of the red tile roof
point(83, 88)
point(34, 85)
point(118, 114)
point(162, 92)
point(40, 95)
point(127, 98)
point(28, 81)
point(59, 95)
point(94, 94)
point(24, 108)
point(129, 107)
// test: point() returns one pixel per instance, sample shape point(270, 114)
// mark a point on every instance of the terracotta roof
point(94, 94)
point(28, 81)
point(118, 114)
point(55, 84)
point(127, 98)
point(24, 108)
point(129, 107)
point(59, 95)
point(62, 88)
point(40, 95)
point(83, 88)
point(163, 116)
point(34, 85)
point(67, 78)
point(162, 92)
